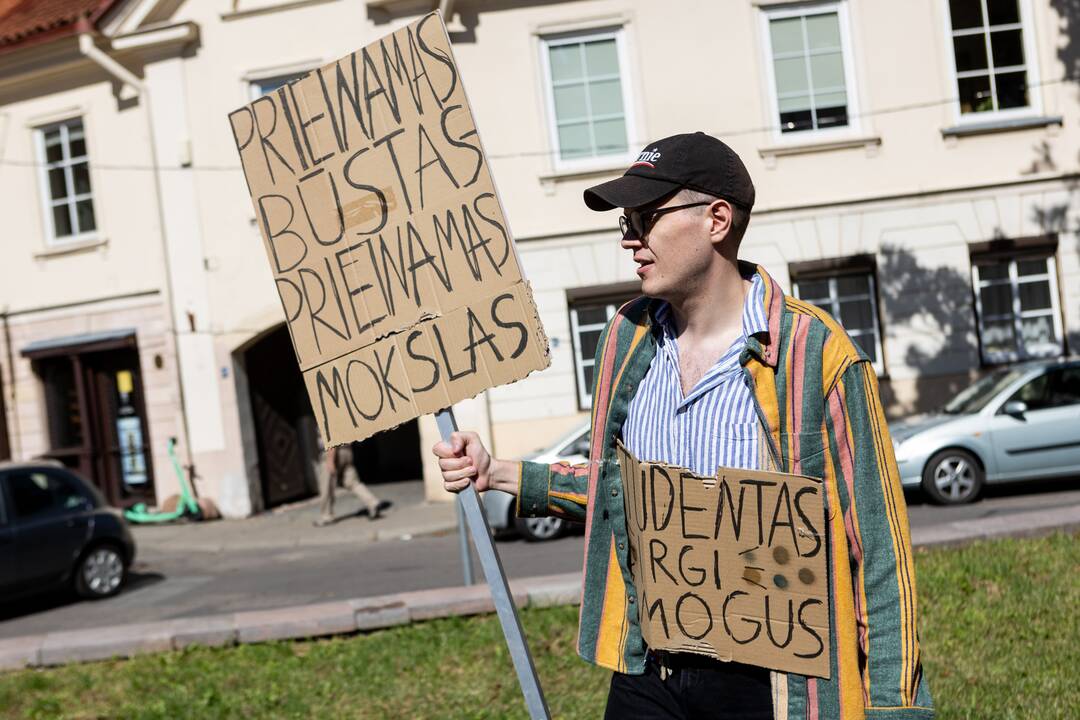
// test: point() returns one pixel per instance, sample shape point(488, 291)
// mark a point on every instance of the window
point(851, 298)
point(69, 206)
point(267, 85)
point(37, 493)
point(1065, 386)
point(1059, 387)
point(587, 322)
point(810, 68)
point(1016, 301)
point(990, 55)
point(587, 95)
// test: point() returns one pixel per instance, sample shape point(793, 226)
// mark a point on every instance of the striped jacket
point(816, 397)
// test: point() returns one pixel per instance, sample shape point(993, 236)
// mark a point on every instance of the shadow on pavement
point(61, 597)
point(915, 496)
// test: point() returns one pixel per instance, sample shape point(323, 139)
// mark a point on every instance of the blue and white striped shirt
point(715, 425)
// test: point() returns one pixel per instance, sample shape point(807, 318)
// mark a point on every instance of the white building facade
point(916, 168)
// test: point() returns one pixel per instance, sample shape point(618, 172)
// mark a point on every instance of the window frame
point(611, 306)
point(250, 77)
point(834, 309)
point(52, 240)
point(854, 126)
point(253, 83)
point(1031, 65)
point(618, 33)
point(1019, 353)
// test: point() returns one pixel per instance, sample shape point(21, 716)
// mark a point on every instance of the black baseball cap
point(692, 160)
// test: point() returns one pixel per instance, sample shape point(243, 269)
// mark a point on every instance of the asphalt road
point(170, 584)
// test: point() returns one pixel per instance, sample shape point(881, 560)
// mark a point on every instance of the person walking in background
point(336, 467)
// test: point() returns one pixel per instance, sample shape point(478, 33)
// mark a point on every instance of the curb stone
point(21, 652)
point(105, 643)
point(1021, 524)
point(301, 621)
point(209, 631)
point(445, 602)
point(379, 612)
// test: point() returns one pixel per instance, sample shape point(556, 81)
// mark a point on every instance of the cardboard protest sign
point(389, 247)
point(732, 566)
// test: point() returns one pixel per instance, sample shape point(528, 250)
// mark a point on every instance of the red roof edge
point(83, 24)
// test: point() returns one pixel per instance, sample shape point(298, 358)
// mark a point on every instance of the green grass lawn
point(1000, 625)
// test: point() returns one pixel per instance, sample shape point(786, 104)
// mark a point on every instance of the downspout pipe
point(16, 451)
point(88, 47)
point(91, 51)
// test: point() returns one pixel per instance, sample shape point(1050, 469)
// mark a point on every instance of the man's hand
point(464, 459)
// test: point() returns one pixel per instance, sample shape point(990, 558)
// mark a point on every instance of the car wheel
point(952, 477)
point(540, 528)
point(100, 573)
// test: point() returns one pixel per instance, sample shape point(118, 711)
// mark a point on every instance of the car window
point(975, 397)
point(1036, 394)
point(577, 446)
point(1065, 387)
point(38, 493)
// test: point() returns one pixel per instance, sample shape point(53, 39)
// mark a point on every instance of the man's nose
point(631, 243)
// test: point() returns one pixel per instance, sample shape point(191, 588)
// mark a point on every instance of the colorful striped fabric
point(715, 424)
point(817, 402)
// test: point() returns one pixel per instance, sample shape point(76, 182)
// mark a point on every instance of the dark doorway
point(97, 416)
point(280, 407)
point(286, 433)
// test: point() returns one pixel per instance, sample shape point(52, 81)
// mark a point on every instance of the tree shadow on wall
point(1055, 218)
point(1068, 12)
point(935, 304)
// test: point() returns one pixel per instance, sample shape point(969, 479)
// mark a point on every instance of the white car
point(500, 506)
point(1020, 422)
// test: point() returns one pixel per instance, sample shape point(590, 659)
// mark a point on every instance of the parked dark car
point(57, 530)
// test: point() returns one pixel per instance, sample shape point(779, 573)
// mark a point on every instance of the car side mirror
point(1016, 408)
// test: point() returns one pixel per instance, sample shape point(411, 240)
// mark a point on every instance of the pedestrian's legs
point(326, 492)
point(351, 481)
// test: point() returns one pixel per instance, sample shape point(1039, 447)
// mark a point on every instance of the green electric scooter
point(186, 508)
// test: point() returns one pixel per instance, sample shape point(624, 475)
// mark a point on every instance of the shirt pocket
point(736, 444)
point(805, 452)
point(808, 449)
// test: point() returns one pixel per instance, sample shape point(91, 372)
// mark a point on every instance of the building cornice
point(45, 63)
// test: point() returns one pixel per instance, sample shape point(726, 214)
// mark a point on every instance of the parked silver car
point(500, 507)
point(1017, 423)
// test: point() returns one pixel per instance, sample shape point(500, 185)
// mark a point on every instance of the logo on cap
point(647, 158)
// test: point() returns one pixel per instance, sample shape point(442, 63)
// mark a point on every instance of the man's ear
point(721, 216)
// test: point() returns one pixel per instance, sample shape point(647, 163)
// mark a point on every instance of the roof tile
point(24, 20)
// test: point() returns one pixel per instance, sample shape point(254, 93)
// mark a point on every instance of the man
point(715, 366)
point(339, 468)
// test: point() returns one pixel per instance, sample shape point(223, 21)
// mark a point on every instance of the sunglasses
point(638, 223)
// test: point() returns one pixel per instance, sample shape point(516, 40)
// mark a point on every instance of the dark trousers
point(697, 689)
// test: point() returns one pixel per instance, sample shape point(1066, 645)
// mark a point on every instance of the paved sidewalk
point(292, 526)
point(343, 617)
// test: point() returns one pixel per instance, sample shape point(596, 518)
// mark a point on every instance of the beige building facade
point(917, 170)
